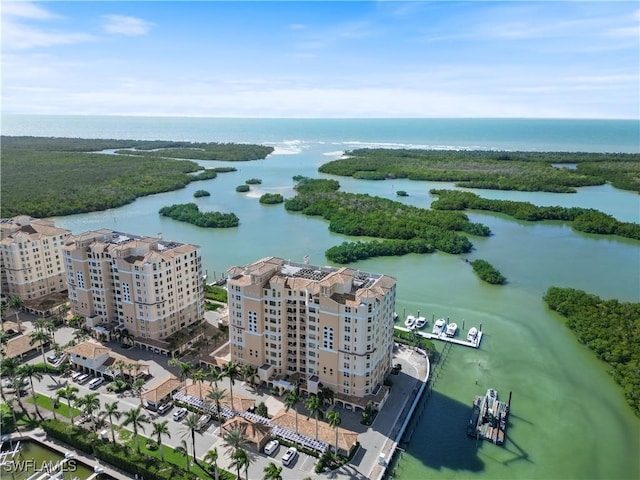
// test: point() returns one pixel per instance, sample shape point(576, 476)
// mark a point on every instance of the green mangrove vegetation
point(402, 193)
point(271, 198)
point(190, 213)
point(585, 220)
point(488, 272)
point(364, 215)
point(201, 193)
point(527, 171)
point(243, 188)
point(36, 173)
point(253, 181)
point(348, 252)
point(610, 328)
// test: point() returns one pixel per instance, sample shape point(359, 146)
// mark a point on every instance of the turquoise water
point(569, 418)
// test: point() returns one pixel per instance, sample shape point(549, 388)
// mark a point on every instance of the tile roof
point(162, 389)
point(19, 346)
point(253, 431)
point(89, 349)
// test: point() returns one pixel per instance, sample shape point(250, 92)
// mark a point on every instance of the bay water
point(569, 419)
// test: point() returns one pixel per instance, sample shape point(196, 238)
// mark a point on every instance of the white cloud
point(26, 10)
point(124, 25)
point(17, 36)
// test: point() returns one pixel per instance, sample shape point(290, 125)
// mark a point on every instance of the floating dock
point(489, 418)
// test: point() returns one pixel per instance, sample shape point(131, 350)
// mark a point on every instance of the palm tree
point(136, 418)
point(17, 384)
point(314, 405)
point(17, 304)
point(183, 449)
point(8, 368)
point(231, 370)
point(191, 422)
point(199, 376)
point(334, 422)
point(235, 439)
point(75, 321)
point(68, 392)
point(43, 337)
point(136, 388)
point(272, 472)
point(111, 411)
point(63, 310)
point(216, 375)
point(29, 370)
point(326, 396)
point(215, 395)
point(3, 308)
point(240, 461)
point(212, 459)
point(185, 369)
point(159, 429)
point(290, 401)
point(248, 372)
point(89, 404)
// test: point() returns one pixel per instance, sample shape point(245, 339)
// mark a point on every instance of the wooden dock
point(444, 338)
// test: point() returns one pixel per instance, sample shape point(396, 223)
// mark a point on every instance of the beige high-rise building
point(149, 286)
point(331, 326)
point(30, 257)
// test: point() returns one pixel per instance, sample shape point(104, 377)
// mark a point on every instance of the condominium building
point(149, 286)
point(30, 257)
point(331, 326)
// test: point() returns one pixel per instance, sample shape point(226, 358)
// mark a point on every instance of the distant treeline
point(582, 219)
point(190, 213)
point(364, 215)
point(527, 171)
point(608, 327)
point(45, 177)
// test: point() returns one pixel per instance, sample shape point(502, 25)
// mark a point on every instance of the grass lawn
point(171, 456)
point(61, 408)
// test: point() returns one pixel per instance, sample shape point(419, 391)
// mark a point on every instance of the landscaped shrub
point(73, 435)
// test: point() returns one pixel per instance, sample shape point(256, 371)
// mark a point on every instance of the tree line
point(610, 328)
point(190, 213)
point(36, 174)
point(585, 220)
point(525, 171)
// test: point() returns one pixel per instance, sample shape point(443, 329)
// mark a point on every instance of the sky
point(316, 59)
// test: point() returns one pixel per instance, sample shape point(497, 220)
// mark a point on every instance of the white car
point(164, 408)
point(271, 447)
point(179, 414)
point(289, 456)
point(203, 421)
point(95, 383)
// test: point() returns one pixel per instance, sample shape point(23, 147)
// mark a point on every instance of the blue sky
point(322, 59)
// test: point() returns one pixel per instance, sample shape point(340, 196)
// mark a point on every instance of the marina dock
point(442, 336)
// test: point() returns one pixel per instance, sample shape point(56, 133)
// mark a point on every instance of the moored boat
point(451, 329)
point(421, 322)
point(439, 326)
point(473, 334)
point(410, 322)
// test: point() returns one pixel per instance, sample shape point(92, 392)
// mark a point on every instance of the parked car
point(289, 456)
point(95, 383)
point(164, 408)
point(271, 447)
point(84, 378)
point(203, 421)
point(179, 414)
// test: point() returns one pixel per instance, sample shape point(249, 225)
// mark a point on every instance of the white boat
point(473, 334)
point(421, 322)
point(395, 316)
point(410, 322)
point(451, 329)
point(439, 326)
